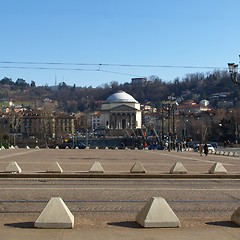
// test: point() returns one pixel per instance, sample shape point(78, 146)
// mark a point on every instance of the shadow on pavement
point(20, 225)
point(126, 224)
point(223, 224)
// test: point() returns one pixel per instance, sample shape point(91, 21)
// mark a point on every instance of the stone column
point(134, 121)
point(130, 117)
point(110, 121)
point(129, 121)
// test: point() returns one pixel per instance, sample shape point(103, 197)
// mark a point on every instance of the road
point(196, 198)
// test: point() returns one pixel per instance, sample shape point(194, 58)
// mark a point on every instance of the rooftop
point(121, 96)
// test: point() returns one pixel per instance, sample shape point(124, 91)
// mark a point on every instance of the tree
point(7, 81)
point(21, 83)
point(15, 120)
point(46, 126)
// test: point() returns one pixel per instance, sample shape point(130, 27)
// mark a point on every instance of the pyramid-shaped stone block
point(55, 215)
point(96, 168)
point(13, 167)
point(157, 213)
point(178, 168)
point(217, 168)
point(236, 216)
point(54, 168)
point(138, 168)
point(236, 154)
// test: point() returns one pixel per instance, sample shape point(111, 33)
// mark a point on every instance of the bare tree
point(15, 121)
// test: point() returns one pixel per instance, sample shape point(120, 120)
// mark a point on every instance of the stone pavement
point(107, 224)
point(121, 161)
point(22, 229)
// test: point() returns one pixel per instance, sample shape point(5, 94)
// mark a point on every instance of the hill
point(195, 87)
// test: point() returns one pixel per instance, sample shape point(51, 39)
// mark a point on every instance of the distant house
point(193, 108)
point(139, 81)
point(219, 95)
point(96, 120)
point(204, 102)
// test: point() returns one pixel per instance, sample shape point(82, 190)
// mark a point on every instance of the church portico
point(122, 120)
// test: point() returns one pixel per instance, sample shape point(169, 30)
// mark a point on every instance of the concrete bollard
point(13, 167)
point(157, 213)
point(54, 168)
point(217, 168)
point(178, 168)
point(96, 168)
point(55, 215)
point(137, 168)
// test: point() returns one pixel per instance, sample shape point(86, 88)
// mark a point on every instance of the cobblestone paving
point(195, 198)
point(115, 202)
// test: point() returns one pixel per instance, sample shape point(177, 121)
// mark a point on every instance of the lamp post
point(233, 70)
point(170, 106)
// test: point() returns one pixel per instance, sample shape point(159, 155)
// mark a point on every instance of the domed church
point(121, 111)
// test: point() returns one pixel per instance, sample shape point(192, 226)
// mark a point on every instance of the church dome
point(121, 96)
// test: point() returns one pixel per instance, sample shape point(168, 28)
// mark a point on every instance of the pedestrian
point(181, 146)
point(200, 149)
point(205, 149)
point(178, 146)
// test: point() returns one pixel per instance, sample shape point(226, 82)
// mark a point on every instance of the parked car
point(211, 148)
point(80, 145)
point(214, 144)
point(155, 147)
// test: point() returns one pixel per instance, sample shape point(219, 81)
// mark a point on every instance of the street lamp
point(170, 106)
point(233, 70)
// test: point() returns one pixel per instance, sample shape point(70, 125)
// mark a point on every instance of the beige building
point(121, 111)
point(44, 125)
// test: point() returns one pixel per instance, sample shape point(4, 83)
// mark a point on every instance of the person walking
point(205, 149)
point(200, 149)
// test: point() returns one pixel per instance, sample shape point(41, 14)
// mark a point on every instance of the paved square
point(113, 203)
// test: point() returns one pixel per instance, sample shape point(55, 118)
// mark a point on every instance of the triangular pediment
point(123, 108)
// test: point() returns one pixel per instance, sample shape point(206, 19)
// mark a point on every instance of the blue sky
point(130, 32)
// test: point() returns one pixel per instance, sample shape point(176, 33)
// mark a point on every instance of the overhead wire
point(99, 66)
point(70, 69)
point(50, 68)
point(113, 65)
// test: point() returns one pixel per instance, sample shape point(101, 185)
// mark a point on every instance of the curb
point(120, 175)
